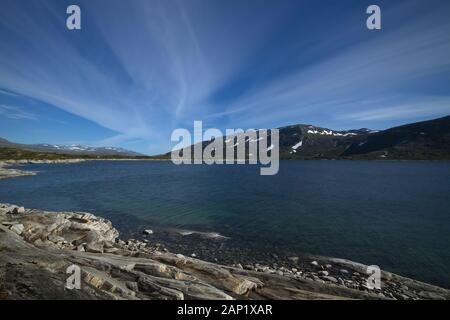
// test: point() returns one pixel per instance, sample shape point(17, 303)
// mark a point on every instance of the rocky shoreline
point(6, 172)
point(10, 173)
point(36, 247)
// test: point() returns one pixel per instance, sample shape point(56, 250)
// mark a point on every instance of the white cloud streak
point(13, 112)
point(429, 106)
point(156, 64)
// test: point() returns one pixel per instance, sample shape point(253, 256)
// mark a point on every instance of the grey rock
point(17, 228)
point(401, 296)
point(55, 239)
point(364, 286)
point(329, 278)
point(9, 223)
point(12, 210)
point(430, 295)
point(94, 247)
point(15, 210)
point(139, 273)
point(390, 295)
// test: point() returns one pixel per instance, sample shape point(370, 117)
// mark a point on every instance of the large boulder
point(94, 247)
point(14, 210)
point(17, 228)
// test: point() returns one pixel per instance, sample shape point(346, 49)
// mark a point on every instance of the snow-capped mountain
point(307, 141)
point(420, 140)
point(82, 149)
point(70, 149)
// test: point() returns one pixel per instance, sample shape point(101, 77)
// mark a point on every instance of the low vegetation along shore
point(36, 247)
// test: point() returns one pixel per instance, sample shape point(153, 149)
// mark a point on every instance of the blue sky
point(140, 68)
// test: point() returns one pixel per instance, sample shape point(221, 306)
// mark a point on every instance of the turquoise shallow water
point(395, 214)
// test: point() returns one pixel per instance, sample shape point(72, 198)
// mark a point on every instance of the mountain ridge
point(424, 140)
point(415, 141)
point(73, 149)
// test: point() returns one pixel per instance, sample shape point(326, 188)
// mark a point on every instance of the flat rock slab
point(37, 247)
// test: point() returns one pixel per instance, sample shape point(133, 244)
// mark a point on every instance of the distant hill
point(74, 149)
point(421, 140)
point(417, 141)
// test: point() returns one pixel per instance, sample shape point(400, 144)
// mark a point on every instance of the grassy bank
point(21, 154)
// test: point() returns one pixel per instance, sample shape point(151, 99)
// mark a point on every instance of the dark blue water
point(393, 214)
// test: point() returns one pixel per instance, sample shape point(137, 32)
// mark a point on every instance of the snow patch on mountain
point(298, 145)
point(331, 133)
point(75, 148)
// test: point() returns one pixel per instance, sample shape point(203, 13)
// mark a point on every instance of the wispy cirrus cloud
point(13, 112)
point(425, 107)
point(403, 60)
point(143, 68)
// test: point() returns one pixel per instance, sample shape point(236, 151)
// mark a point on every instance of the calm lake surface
point(395, 214)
